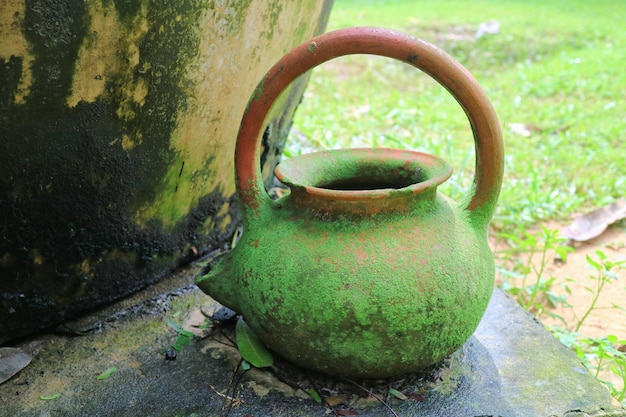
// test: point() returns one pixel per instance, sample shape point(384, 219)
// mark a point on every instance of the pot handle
point(441, 67)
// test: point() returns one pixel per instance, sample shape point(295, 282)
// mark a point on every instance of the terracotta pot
point(363, 270)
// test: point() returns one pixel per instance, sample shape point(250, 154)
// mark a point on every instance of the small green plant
point(604, 274)
point(184, 336)
point(599, 355)
point(525, 279)
point(605, 354)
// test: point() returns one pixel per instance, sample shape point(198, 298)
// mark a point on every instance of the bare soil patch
point(609, 315)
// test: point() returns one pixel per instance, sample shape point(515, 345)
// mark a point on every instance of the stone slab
point(510, 367)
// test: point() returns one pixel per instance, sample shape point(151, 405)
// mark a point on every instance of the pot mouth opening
point(370, 183)
point(363, 173)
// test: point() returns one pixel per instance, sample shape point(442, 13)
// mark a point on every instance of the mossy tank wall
point(118, 121)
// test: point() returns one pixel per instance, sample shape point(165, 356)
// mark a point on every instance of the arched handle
point(441, 67)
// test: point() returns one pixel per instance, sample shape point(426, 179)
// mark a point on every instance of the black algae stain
point(69, 191)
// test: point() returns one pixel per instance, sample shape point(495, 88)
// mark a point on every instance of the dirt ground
point(605, 319)
point(609, 315)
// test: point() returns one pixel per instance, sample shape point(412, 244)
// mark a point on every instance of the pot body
point(117, 126)
point(364, 296)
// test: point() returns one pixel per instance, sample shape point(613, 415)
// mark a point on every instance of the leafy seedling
point(184, 336)
point(250, 346)
point(605, 274)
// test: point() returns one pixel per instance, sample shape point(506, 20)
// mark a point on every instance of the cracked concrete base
point(510, 367)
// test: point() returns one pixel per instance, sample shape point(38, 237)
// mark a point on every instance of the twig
point(232, 384)
point(227, 337)
point(314, 385)
point(220, 394)
point(380, 400)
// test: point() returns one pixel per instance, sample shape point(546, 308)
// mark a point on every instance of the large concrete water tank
point(118, 121)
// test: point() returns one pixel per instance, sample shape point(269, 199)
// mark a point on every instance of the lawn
point(555, 67)
point(554, 72)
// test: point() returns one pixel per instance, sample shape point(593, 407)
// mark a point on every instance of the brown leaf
point(592, 224)
point(336, 400)
point(416, 397)
point(347, 412)
point(12, 360)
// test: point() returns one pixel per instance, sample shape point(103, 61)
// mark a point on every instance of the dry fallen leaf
point(592, 224)
point(336, 400)
point(417, 397)
point(12, 360)
point(346, 412)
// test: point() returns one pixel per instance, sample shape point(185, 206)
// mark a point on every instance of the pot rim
point(305, 173)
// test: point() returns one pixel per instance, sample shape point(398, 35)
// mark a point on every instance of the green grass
point(557, 65)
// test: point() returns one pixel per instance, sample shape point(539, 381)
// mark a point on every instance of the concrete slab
point(510, 367)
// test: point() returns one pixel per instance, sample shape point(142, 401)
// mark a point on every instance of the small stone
point(170, 355)
point(224, 314)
